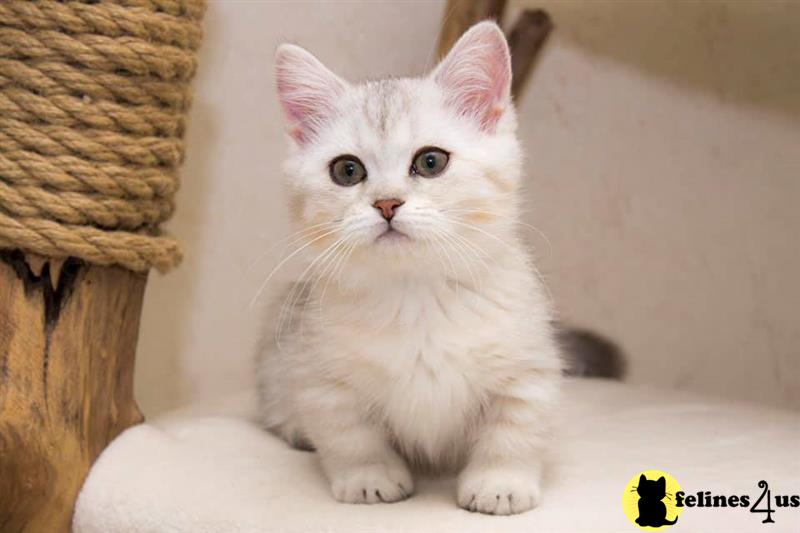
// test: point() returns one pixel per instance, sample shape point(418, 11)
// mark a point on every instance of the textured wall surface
point(663, 165)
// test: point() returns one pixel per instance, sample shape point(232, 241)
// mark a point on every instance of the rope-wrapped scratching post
point(93, 102)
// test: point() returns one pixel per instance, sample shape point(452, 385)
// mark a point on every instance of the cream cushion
point(193, 472)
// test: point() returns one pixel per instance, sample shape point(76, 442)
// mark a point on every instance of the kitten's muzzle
point(388, 207)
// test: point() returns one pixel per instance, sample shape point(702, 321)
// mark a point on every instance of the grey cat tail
point(589, 354)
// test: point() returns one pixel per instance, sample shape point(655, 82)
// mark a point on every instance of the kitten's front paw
point(499, 491)
point(372, 483)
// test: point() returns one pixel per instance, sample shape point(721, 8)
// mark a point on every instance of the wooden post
point(459, 15)
point(529, 33)
point(95, 96)
point(68, 334)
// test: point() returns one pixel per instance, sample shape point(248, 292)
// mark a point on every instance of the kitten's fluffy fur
point(432, 351)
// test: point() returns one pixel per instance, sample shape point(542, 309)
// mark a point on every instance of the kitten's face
point(407, 173)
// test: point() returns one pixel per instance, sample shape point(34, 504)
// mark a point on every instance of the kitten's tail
point(668, 523)
point(589, 354)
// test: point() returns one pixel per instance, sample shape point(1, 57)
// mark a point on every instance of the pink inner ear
point(476, 75)
point(301, 113)
point(307, 91)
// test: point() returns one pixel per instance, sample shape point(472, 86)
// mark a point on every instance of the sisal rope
point(93, 99)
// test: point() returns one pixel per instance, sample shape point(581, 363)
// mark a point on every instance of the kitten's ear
point(476, 75)
point(642, 479)
point(307, 90)
point(662, 483)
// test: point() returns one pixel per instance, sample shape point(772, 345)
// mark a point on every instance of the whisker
point(458, 250)
point(480, 230)
point(477, 251)
point(295, 237)
point(439, 240)
point(468, 253)
point(430, 245)
point(346, 260)
point(325, 266)
point(536, 271)
point(337, 270)
point(297, 291)
point(312, 272)
point(512, 219)
point(284, 261)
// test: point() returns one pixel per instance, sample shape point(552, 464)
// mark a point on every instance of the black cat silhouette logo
point(649, 500)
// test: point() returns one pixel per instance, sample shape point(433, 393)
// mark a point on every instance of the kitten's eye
point(429, 162)
point(347, 170)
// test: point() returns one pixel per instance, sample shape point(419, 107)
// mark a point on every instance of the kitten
point(418, 335)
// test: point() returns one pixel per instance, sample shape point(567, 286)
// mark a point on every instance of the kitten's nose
point(388, 207)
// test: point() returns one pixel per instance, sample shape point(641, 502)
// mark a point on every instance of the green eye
point(347, 170)
point(429, 162)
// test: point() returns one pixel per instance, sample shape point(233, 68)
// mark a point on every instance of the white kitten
point(418, 334)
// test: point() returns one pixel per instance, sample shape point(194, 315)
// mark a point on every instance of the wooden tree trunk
point(527, 36)
point(68, 334)
point(459, 15)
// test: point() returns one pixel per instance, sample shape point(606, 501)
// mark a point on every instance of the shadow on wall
point(679, 40)
point(662, 164)
point(161, 341)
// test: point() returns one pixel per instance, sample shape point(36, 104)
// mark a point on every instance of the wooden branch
point(68, 335)
point(459, 15)
point(525, 40)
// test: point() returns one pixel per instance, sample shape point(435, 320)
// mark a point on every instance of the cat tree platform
point(194, 472)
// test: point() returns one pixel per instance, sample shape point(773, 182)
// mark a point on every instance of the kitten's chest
point(428, 336)
point(426, 368)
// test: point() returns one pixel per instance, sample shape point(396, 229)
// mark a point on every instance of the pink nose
point(388, 207)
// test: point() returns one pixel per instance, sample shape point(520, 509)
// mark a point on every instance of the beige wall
point(663, 163)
